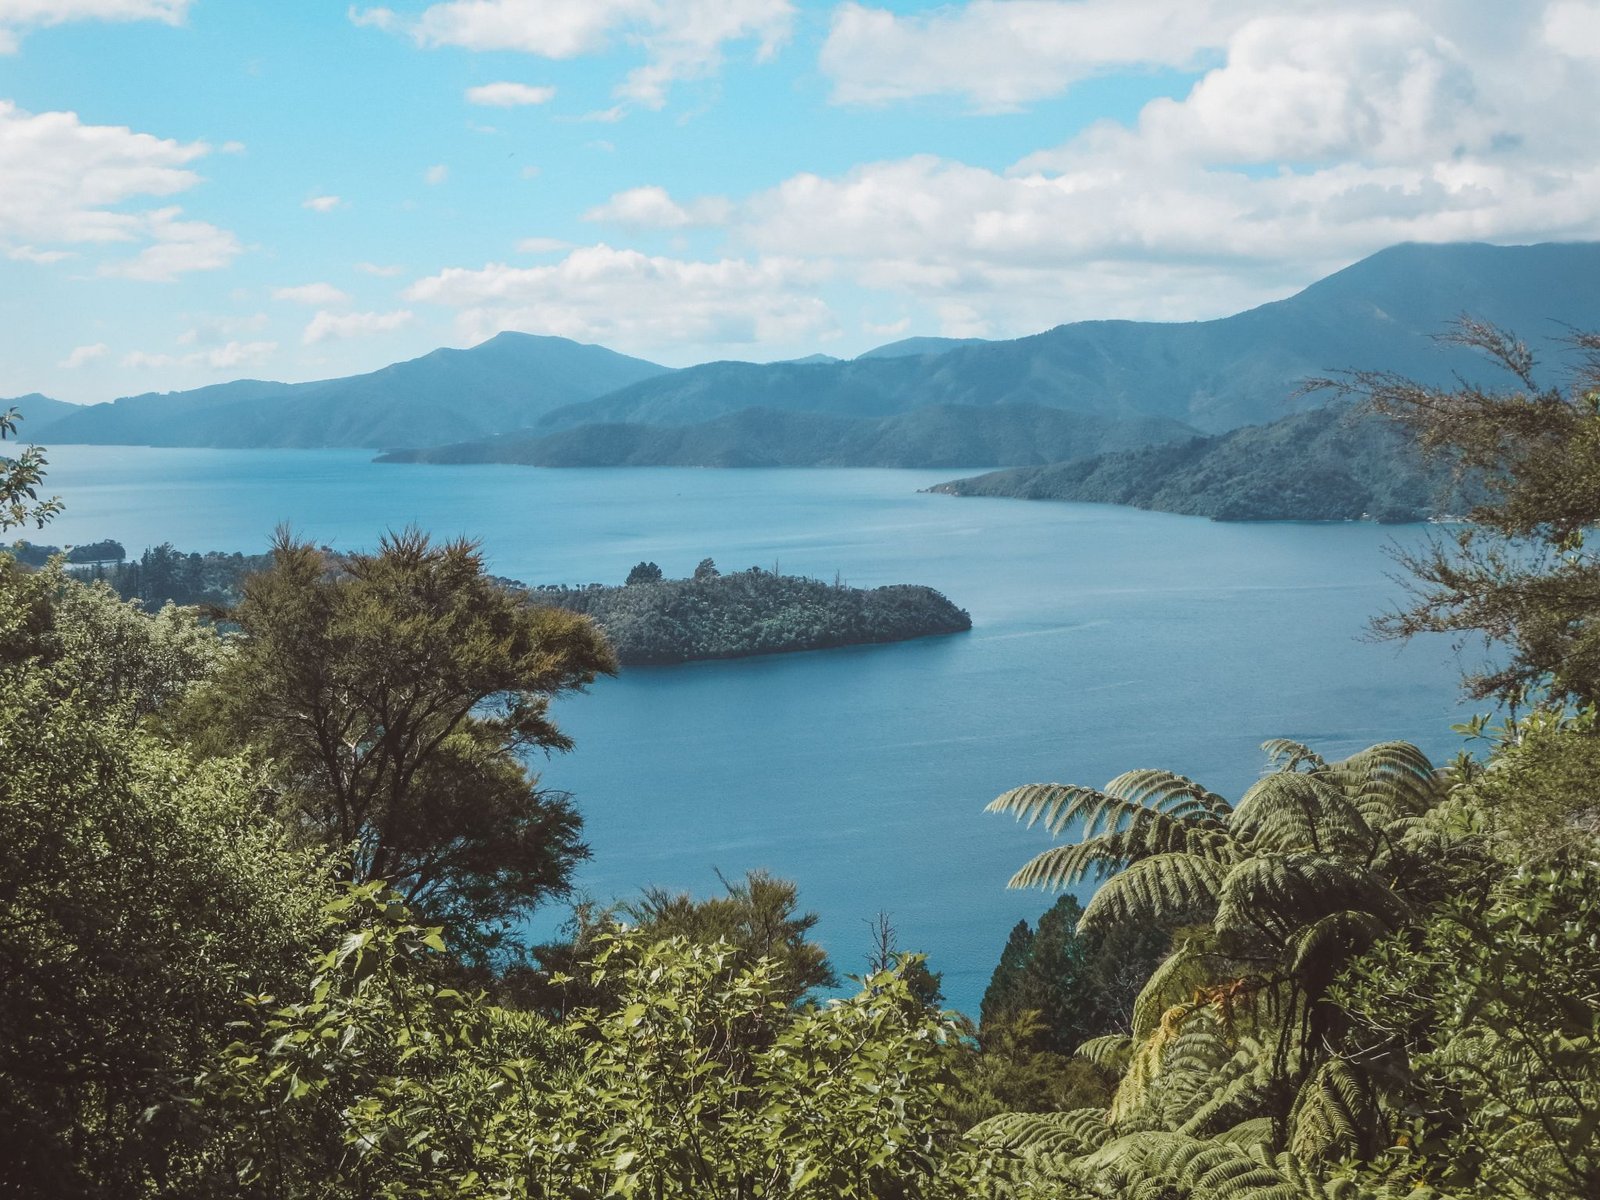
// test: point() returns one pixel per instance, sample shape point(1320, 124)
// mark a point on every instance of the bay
point(1103, 639)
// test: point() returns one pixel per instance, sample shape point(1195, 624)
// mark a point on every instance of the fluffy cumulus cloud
point(1309, 137)
point(1003, 53)
point(681, 39)
point(18, 16)
point(64, 183)
point(625, 298)
point(328, 326)
point(322, 204)
point(653, 208)
point(509, 95)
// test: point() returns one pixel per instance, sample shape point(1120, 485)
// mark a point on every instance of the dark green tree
point(395, 695)
point(1521, 574)
point(706, 569)
point(645, 572)
point(756, 916)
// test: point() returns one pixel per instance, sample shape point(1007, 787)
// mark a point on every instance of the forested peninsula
point(649, 620)
point(1330, 464)
point(656, 621)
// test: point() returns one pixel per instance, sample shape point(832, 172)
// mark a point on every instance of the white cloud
point(542, 245)
point(1573, 28)
point(1003, 53)
point(64, 183)
point(436, 174)
point(222, 358)
point(652, 208)
point(33, 254)
point(509, 95)
point(316, 295)
point(623, 297)
point(178, 247)
point(382, 271)
point(1318, 137)
point(322, 204)
point(18, 16)
point(326, 325)
point(83, 355)
point(218, 331)
point(681, 39)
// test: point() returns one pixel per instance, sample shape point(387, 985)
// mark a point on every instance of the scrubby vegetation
point(1331, 464)
point(652, 620)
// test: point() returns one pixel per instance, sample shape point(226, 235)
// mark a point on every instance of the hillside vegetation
point(1325, 465)
point(935, 436)
point(654, 621)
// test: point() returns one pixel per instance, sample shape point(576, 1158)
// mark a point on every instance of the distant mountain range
point(939, 435)
point(1330, 464)
point(506, 383)
point(1212, 376)
point(1381, 313)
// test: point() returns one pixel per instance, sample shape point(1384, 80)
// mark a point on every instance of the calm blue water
point(1103, 639)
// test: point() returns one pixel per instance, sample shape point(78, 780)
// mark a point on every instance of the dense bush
point(658, 621)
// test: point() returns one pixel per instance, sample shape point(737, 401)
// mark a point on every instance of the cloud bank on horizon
point(314, 195)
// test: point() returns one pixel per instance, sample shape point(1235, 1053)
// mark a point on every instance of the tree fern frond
point(1290, 811)
point(1110, 1052)
point(1334, 1112)
point(1168, 792)
point(1284, 754)
point(1163, 887)
point(1176, 979)
point(1075, 1132)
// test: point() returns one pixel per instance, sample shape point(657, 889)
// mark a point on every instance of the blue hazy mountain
point(506, 383)
point(1381, 313)
point(1334, 463)
point(37, 413)
point(941, 435)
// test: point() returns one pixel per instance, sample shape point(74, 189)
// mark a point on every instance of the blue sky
point(200, 190)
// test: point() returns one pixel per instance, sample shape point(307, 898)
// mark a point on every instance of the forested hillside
point(935, 436)
point(652, 620)
point(1330, 464)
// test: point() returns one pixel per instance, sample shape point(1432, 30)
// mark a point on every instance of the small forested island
point(1330, 464)
point(651, 620)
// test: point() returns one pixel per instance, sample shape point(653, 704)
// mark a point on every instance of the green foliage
point(140, 894)
point(1497, 1008)
point(392, 694)
point(697, 1079)
point(752, 612)
point(1079, 985)
point(645, 572)
point(163, 575)
point(20, 478)
point(756, 917)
